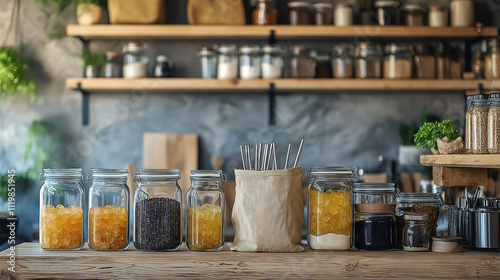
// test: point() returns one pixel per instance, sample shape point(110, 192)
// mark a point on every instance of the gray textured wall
point(342, 128)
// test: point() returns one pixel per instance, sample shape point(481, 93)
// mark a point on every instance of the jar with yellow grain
point(61, 209)
point(109, 198)
point(330, 210)
point(205, 205)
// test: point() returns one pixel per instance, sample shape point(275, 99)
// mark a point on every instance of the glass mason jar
point(494, 124)
point(165, 67)
point(368, 57)
point(250, 62)
point(375, 231)
point(265, 13)
point(415, 232)
point(492, 60)
point(323, 13)
point(208, 62)
point(323, 66)
point(299, 13)
point(397, 61)
point(227, 67)
point(343, 14)
point(112, 67)
point(303, 63)
point(428, 203)
point(330, 208)
point(135, 61)
point(109, 198)
point(158, 210)
point(468, 125)
point(414, 15)
point(388, 12)
point(462, 13)
point(375, 198)
point(437, 16)
point(479, 140)
point(272, 62)
point(342, 64)
point(205, 204)
point(424, 62)
point(61, 209)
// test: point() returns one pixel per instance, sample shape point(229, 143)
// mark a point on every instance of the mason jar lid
point(216, 175)
point(249, 49)
point(70, 173)
point(436, 8)
point(374, 188)
point(101, 173)
point(208, 51)
point(432, 198)
point(397, 47)
point(157, 174)
point(227, 49)
point(495, 95)
point(333, 172)
point(271, 49)
point(373, 215)
point(416, 216)
point(319, 6)
point(413, 7)
point(481, 96)
point(368, 48)
point(383, 4)
point(134, 46)
point(299, 4)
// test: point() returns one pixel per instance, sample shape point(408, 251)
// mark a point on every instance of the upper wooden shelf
point(474, 161)
point(111, 31)
point(194, 84)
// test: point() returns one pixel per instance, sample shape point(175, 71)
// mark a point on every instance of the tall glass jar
point(299, 13)
point(303, 64)
point(208, 62)
point(227, 67)
point(135, 61)
point(342, 64)
point(112, 67)
point(330, 208)
point(416, 235)
point(323, 13)
point(397, 61)
point(479, 141)
point(462, 13)
point(375, 231)
point(158, 210)
point(272, 62)
point(250, 62)
point(109, 198)
point(205, 204)
point(492, 60)
point(265, 13)
point(494, 124)
point(368, 57)
point(424, 62)
point(468, 125)
point(61, 209)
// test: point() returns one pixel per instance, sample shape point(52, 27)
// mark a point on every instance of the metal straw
point(275, 147)
point(260, 156)
point(256, 157)
point(249, 156)
point(269, 164)
point(298, 153)
point(288, 155)
point(264, 161)
point(242, 157)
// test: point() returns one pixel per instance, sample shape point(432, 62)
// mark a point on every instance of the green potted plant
point(89, 11)
point(14, 76)
point(440, 137)
point(93, 61)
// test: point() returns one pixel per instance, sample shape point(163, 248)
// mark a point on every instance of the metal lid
point(271, 49)
point(374, 187)
point(299, 4)
point(431, 198)
point(249, 49)
point(481, 96)
point(381, 4)
point(100, 173)
point(134, 46)
point(495, 95)
point(70, 173)
point(319, 6)
point(157, 174)
point(397, 47)
point(227, 49)
point(368, 48)
point(111, 55)
point(413, 7)
point(343, 5)
point(216, 175)
point(346, 172)
point(208, 51)
point(416, 216)
point(436, 8)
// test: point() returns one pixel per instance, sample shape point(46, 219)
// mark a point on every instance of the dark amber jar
point(265, 13)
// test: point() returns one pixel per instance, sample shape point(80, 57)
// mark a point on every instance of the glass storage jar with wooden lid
point(109, 198)
point(135, 60)
point(368, 61)
point(375, 198)
point(416, 235)
point(265, 13)
point(494, 124)
point(330, 207)
point(300, 13)
point(323, 13)
point(397, 61)
point(479, 141)
point(413, 14)
point(61, 209)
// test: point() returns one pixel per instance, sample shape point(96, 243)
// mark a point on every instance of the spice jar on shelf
point(265, 13)
point(494, 124)
point(478, 65)
point(492, 60)
point(323, 13)
point(112, 66)
point(388, 12)
point(468, 125)
point(397, 61)
point(462, 13)
point(479, 141)
point(302, 63)
point(205, 204)
point(61, 209)
point(135, 61)
point(413, 14)
point(300, 13)
point(342, 63)
point(109, 199)
point(424, 62)
point(158, 210)
point(250, 62)
point(208, 62)
point(343, 14)
point(438, 17)
point(323, 66)
point(368, 61)
point(227, 67)
point(164, 68)
point(272, 62)
point(330, 208)
point(443, 62)
point(416, 235)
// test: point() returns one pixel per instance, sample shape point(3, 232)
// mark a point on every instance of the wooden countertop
point(33, 262)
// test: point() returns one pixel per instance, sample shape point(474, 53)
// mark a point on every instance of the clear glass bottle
point(494, 124)
point(272, 62)
point(299, 13)
point(468, 125)
point(227, 67)
point(158, 210)
point(415, 233)
point(414, 15)
point(375, 198)
point(205, 204)
point(479, 141)
point(109, 198)
point(492, 60)
point(323, 13)
point(368, 57)
point(208, 62)
point(424, 62)
point(462, 13)
point(250, 62)
point(135, 61)
point(342, 64)
point(112, 67)
point(303, 63)
point(61, 209)
point(375, 231)
point(397, 61)
point(265, 13)
point(330, 211)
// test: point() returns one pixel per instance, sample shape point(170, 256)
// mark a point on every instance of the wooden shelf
point(108, 31)
point(34, 263)
point(190, 84)
point(474, 161)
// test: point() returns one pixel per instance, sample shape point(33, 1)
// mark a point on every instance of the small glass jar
point(424, 62)
point(479, 141)
point(375, 198)
point(368, 57)
point(343, 14)
point(494, 124)
point(397, 61)
point(109, 198)
point(323, 66)
point(158, 210)
point(415, 233)
point(265, 13)
point(330, 208)
point(272, 62)
point(468, 125)
point(61, 209)
point(208, 62)
point(299, 13)
point(342, 63)
point(250, 62)
point(302, 63)
point(135, 61)
point(414, 15)
point(227, 67)
point(443, 61)
point(438, 16)
point(205, 204)
point(478, 65)
point(462, 13)
point(323, 13)
point(164, 68)
point(492, 60)
point(112, 67)
point(388, 12)
point(375, 231)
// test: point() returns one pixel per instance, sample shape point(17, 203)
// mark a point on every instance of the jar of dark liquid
point(375, 231)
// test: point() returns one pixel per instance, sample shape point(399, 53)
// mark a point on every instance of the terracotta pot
point(88, 14)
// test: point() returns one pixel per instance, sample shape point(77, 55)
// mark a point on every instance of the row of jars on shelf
point(366, 60)
point(482, 124)
point(487, 65)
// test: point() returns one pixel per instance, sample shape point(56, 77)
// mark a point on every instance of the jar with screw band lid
point(494, 124)
point(479, 142)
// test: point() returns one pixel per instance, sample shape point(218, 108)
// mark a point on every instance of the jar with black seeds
point(158, 210)
point(479, 141)
point(494, 124)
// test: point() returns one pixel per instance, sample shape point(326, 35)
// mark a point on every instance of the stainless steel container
point(485, 228)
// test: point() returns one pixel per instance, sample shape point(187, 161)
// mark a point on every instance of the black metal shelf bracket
point(85, 103)
point(272, 38)
point(272, 104)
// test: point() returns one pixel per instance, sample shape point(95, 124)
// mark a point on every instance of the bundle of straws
point(266, 156)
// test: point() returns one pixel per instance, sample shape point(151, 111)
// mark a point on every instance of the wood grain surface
point(34, 263)
point(459, 176)
point(474, 161)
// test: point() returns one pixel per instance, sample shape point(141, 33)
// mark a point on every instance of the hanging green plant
point(14, 77)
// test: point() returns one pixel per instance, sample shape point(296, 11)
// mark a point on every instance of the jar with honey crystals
point(61, 209)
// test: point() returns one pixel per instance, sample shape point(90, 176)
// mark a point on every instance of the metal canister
point(485, 228)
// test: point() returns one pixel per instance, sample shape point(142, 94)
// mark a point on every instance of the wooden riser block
point(459, 177)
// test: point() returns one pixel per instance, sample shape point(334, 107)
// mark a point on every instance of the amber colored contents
point(269, 17)
point(61, 227)
point(205, 227)
point(108, 227)
point(330, 212)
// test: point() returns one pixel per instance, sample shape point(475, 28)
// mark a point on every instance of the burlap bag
point(267, 211)
point(136, 11)
point(228, 12)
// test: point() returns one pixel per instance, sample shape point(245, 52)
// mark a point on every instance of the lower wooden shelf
point(33, 262)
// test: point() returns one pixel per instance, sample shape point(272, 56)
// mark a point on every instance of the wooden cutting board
point(172, 151)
